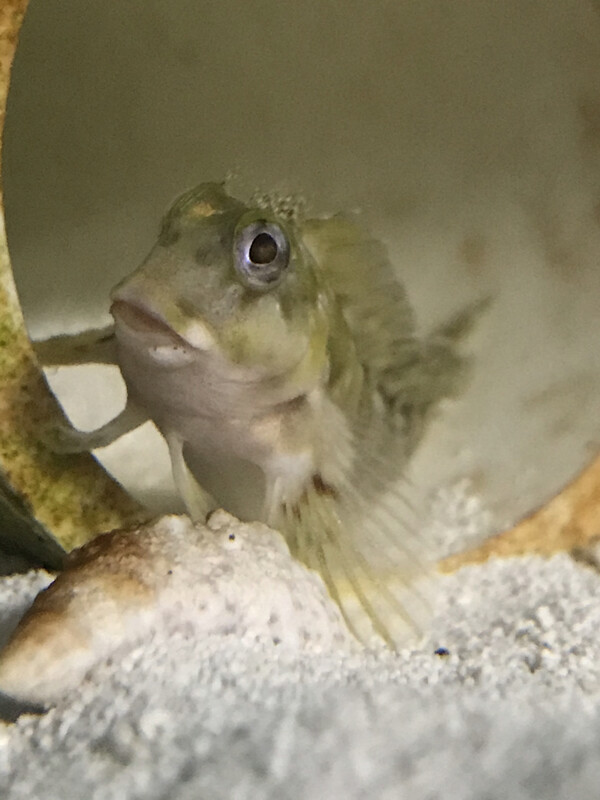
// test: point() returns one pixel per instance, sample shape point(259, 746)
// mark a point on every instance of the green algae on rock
point(49, 503)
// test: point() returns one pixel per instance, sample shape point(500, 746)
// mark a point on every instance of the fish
point(278, 356)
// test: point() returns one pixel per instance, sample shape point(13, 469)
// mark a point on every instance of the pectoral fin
point(94, 346)
point(364, 560)
point(61, 437)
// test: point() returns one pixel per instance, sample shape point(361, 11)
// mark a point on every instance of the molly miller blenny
point(278, 358)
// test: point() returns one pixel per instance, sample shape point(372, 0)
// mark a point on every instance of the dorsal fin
point(357, 270)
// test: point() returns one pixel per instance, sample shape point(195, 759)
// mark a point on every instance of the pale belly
point(235, 443)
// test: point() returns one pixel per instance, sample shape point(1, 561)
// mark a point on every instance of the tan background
point(467, 133)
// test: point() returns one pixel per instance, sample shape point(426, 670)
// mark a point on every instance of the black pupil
point(263, 249)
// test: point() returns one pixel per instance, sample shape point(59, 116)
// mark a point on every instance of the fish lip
point(138, 319)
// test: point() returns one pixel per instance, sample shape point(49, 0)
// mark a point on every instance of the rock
point(225, 579)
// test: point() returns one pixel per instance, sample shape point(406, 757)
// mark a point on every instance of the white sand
point(512, 711)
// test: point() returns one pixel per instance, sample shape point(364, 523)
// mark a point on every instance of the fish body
point(279, 359)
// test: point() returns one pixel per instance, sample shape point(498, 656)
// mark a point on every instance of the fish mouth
point(140, 320)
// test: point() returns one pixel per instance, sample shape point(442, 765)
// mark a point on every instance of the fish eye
point(262, 254)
